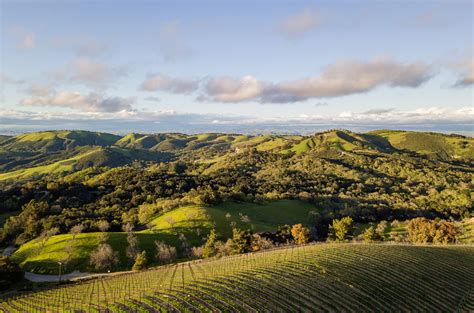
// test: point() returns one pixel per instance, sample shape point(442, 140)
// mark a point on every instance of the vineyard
point(318, 277)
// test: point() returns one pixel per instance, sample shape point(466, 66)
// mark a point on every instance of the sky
point(236, 66)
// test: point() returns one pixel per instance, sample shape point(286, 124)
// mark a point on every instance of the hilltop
point(43, 152)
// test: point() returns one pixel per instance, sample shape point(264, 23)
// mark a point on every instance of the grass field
point(34, 257)
point(66, 165)
point(261, 217)
point(321, 277)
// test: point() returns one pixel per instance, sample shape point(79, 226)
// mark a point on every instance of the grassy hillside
point(261, 217)
point(57, 140)
point(324, 277)
point(34, 257)
point(446, 146)
point(342, 141)
point(95, 156)
point(166, 227)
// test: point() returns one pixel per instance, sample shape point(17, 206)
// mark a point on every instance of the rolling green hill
point(445, 146)
point(167, 227)
point(321, 277)
point(48, 141)
point(89, 157)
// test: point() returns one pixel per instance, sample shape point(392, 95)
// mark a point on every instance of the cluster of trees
point(422, 230)
point(366, 187)
point(418, 231)
point(243, 241)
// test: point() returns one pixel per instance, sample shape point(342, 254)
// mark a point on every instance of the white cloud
point(350, 77)
point(227, 89)
point(26, 40)
point(171, 42)
point(92, 102)
point(466, 68)
point(339, 79)
point(430, 118)
point(88, 71)
point(180, 85)
point(300, 24)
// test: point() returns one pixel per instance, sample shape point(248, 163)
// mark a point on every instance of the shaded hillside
point(87, 157)
point(48, 141)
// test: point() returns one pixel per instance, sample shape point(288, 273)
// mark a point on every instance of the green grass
point(322, 277)
point(185, 220)
point(263, 217)
point(62, 166)
point(431, 143)
point(32, 257)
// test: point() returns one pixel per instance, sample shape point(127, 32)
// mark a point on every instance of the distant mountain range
point(47, 152)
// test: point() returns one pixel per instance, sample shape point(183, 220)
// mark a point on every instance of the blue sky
point(226, 65)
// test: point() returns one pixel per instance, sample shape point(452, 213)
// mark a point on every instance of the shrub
point(371, 234)
point(340, 229)
point(209, 249)
point(104, 257)
point(422, 230)
point(300, 234)
point(164, 252)
point(140, 261)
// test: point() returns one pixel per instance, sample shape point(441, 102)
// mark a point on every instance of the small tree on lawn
point(104, 257)
point(140, 261)
point(300, 234)
point(371, 234)
point(132, 249)
point(76, 230)
point(103, 226)
point(241, 241)
point(340, 229)
point(164, 252)
point(45, 235)
point(209, 249)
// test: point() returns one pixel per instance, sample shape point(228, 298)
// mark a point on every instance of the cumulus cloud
point(350, 77)
point(466, 68)
point(26, 40)
point(171, 42)
point(92, 102)
point(339, 79)
point(88, 71)
point(430, 118)
point(227, 89)
point(179, 85)
point(300, 24)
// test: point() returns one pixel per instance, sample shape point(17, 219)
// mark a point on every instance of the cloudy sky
point(236, 65)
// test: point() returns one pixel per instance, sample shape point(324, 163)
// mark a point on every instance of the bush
point(340, 229)
point(209, 249)
point(140, 261)
point(371, 234)
point(164, 252)
point(104, 257)
point(422, 230)
point(300, 234)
